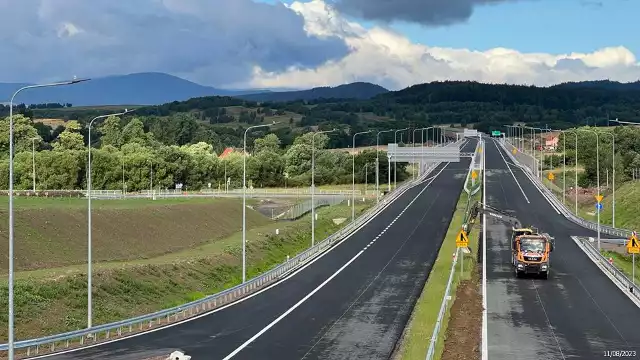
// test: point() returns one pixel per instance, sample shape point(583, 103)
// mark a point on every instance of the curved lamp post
point(395, 163)
point(11, 305)
point(89, 245)
point(378, 164)
point(313, 184)
point(597, 175)
point(353, 175)
point(244, 199)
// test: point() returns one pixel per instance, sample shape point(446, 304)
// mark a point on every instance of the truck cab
point(531, 252)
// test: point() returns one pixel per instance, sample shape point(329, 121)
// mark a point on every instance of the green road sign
point(496, 133)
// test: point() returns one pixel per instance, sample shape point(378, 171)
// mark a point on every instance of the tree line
point(131, 153)
point(627, 153)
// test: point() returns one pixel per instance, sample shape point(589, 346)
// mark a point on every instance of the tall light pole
point(564, 169)
point(244, 200)
point(89, 246)
point(11, 305)
point(613, 165)
point(597, 175)
point(313, 183)
point(353, 175)
point(421, 146)
point(395, 163)
point(426, 130)
point(378, 163)
point(33, 160)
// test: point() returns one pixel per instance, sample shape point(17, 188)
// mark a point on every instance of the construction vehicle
point(530, 249)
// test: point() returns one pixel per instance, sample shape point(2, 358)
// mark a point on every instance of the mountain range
point(159, 88)
point(154, 88)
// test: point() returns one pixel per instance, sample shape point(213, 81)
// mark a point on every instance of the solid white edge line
point(602, 268)
point(485, 340)
point(509, 167)
point(307, 264)
point(291, 309)
point(613, 279)
point(530, 177)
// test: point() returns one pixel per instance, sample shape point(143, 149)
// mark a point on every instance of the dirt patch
point(463, 338)
point(273, 207)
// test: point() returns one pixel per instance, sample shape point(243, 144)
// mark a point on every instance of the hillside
point(603, 84)
point(140, 88)
point(357, 90)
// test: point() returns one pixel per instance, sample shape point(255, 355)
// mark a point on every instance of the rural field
point(149, 255)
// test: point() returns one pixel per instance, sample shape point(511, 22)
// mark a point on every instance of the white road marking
point(291, 309)
point(512, 174)
point(241, 299)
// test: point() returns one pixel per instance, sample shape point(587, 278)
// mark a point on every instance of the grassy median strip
point(418, 333)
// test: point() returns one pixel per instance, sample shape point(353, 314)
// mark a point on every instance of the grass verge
point(52, 233)
point(48, 305)
point(415, 342)
point(624, 263)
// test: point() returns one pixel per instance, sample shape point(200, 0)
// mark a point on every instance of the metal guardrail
point(616, 274)
point(303, 208)
point(562, 207)
point(105, 332)
point(443, 308)
point(447, 292)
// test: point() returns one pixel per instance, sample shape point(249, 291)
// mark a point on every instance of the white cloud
point(382, 56)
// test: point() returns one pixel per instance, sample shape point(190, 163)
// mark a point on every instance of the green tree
point(270, 142)
point(23, 132)
point(111, 132)
point(70, 138)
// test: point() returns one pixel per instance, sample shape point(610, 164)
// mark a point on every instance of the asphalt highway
point(351, 303)
point(576, 313)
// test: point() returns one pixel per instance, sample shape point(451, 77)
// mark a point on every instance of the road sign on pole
point(633, 246)
point(599, 198)
point(599, 206)
point(514, 151)
point(462, 240)
point(551, 176)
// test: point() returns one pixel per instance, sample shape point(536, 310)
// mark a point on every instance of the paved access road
point(577, 313)
point(352, 303)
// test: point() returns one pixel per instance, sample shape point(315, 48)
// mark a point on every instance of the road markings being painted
point(512, 174)
point(291, 309)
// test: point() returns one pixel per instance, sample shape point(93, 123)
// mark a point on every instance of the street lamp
point(313, 184)
point(33, 160)
point(613, 165)
point(11, 314)
point(378, 163)
point(353, 175)
point(244, 200)
point(89, 259)
point(597, 175)
point(421, 145)
point(395, 162)
point(564, 168)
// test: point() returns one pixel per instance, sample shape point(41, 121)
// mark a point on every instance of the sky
point(307, 43)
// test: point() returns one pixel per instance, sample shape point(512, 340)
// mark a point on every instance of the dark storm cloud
point(211, 41)
point(425, 12)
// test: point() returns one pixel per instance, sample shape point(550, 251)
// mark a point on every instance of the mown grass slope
point(53, 232)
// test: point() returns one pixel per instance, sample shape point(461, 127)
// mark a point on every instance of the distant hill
point(357, 90)
point(602, 84)
point(139, 89)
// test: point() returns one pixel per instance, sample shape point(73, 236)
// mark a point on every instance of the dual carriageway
point(353, 301)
